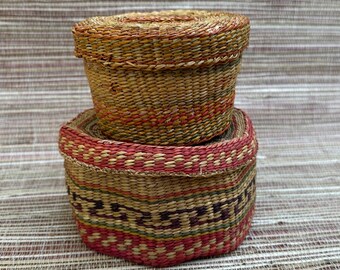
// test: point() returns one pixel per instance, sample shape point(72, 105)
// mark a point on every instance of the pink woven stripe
point(138, 249)
point(116, 155)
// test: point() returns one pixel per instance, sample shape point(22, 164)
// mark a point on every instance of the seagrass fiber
point(163, 78)
point(160, 205)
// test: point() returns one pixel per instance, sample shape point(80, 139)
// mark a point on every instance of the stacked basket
point(162, 170)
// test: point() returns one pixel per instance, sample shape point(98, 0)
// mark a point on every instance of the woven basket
point(160, 205)
point(163, 78)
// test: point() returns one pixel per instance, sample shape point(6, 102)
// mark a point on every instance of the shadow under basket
point(160, 205)
point(163, 78)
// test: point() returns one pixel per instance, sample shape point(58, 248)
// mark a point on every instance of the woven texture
point(77, 142)
point(162, 40)
point(288, 85)
point(163, 78)
point(152, 207)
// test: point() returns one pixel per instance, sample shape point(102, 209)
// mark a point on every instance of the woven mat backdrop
point(289, 85)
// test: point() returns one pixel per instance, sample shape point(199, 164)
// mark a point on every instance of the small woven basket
point(160, 205)
point(163, 78)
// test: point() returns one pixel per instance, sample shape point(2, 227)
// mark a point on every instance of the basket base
point(163, 253)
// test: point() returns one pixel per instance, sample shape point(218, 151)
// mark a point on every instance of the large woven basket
point(158, 205)
point(163, 78)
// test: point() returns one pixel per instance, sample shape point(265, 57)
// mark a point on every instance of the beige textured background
point(289, 85)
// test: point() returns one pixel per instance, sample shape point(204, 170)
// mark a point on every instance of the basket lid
point(82, 141)
point(162, 40)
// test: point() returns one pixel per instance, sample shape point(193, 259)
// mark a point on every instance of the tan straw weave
point(165, 78)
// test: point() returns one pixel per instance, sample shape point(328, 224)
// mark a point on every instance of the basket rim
point(117, 42)
point(204, 23)
point(130, 157)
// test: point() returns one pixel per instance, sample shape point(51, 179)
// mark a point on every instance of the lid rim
point(122, 44)
point(113, 155)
